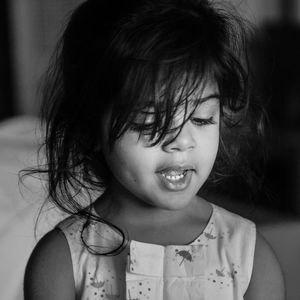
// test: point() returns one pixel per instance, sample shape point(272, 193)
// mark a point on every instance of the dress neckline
point(197, 241)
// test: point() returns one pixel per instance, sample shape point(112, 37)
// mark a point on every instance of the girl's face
point(167, 177)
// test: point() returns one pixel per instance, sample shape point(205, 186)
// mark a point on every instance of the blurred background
point(29, 30)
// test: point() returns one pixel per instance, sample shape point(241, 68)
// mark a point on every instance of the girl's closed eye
point(206, 113)
point(143, 121)
point(203, 121)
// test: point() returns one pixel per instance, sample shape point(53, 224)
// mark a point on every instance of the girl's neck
point(127, 210)
point(150, 224)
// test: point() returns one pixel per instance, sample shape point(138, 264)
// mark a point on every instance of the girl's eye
point(146, 118)
point(143, 122)
point(203, 122)
point(140, 127)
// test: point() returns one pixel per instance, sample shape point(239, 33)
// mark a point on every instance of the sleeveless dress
point(216, 265)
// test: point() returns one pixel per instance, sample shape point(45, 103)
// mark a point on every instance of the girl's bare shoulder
point(267, 280)
point(49, 273)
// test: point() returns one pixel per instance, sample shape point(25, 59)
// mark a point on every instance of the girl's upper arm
point(49, 272)
point(267, 279)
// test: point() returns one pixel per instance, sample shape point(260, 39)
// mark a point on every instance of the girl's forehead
point(198, 94)
point(203, 96)
point(180, 97)
point(204, 91)
point(189, 92)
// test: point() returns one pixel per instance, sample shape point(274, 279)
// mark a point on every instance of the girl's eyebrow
point(196, 101)
point(204, 99)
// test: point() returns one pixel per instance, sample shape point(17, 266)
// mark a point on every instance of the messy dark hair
point(126, 56)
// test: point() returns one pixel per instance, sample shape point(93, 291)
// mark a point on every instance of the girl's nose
point(185, 141)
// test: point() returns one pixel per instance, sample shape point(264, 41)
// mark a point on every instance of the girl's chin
point(172, 202)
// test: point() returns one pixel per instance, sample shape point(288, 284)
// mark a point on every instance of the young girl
point(137, 107)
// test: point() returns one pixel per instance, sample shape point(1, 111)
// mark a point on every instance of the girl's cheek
point(145, 140)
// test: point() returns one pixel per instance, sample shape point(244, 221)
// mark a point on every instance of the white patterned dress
point(216, 265)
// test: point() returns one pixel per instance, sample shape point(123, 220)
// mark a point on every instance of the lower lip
point(176, 185)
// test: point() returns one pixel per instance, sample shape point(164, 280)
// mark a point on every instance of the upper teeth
point(174, 177)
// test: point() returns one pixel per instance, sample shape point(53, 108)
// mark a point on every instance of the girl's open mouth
point(176, 178)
